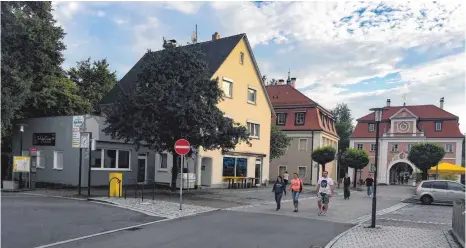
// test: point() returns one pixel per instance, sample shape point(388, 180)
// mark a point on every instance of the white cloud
point(183, 7)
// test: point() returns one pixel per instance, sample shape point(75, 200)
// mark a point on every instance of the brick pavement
point(411, 226)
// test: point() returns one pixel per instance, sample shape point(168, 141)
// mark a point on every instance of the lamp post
point(377, 118)
point(21, 131)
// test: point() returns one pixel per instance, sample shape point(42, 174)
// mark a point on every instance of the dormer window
point(281, 119)
point(299, 118)
point(438, 126)
point(371, 127)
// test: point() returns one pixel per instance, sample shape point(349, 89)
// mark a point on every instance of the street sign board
point(77, 125)
point(372, 168)
point(84, 143)
point(21, 164)
point(182, 147)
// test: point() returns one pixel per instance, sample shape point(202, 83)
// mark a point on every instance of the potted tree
point(323, 155)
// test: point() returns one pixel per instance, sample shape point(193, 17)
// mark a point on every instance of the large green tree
point(32, 47)
point(343, 124)
point(426, 155)
point(174, 97)
point(94, 80)
point(323, 155)
point(356, 159)
point(279, 142)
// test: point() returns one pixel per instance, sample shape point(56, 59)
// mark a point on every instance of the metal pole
point(20, 154)
point(436, 172)
point(80, 169)
point(89, 168)
point(374, 195)
point(181, 183)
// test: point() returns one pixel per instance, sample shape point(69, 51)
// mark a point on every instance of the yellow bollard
point(115, 184)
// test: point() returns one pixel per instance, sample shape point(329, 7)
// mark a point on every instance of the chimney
point(293, 82)
point(442, 100)
point(281, 81)
point(215, 36)
point(388, 102)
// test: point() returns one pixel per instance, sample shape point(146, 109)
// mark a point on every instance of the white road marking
point(99, 234)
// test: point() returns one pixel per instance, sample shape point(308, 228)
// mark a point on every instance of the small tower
point(288, 81)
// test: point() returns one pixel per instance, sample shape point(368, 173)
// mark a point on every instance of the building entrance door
point(142, 167)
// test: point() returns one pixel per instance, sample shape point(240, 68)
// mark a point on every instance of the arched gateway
point(397, 167)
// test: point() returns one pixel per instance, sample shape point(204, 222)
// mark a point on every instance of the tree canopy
point(94, 80)
point(356, 159)
point(174, 97)
point(32, 47)
point(323, 155)
point(343, 124)
point(426, 155)
point(279, 142)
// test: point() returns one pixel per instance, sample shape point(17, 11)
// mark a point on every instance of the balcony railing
point(457, 226)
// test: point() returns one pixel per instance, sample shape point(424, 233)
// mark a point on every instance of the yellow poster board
point(21, 164)
point(116, 184)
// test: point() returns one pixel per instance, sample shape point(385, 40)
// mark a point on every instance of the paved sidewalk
point(411, 226)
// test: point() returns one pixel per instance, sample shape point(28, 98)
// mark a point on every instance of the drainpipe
point(312, 149)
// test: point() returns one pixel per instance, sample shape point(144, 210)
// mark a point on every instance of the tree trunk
point(424, 174)
point(323, 168)
point(354, 181)
point(175, 163)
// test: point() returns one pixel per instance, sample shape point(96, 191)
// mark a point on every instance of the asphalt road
point(223, 229)
point(30, 221)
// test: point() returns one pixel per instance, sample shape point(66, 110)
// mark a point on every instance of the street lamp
point(377, 118)
point(21, 131)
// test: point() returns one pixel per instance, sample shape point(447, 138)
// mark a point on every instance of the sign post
point(182, 147)
point(83, 143)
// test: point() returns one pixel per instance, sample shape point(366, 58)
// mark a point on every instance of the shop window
point(235, 167)
point(111, 159)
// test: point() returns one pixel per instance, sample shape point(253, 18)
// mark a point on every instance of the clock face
point(403, 126)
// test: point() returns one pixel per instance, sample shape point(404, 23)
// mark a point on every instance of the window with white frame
point(58, 160)
point(299, 118)
point(448, 148)
point(394, 147)
point(111, 159)
point(281, 118)
point(227, 88)
point(409, 147)
point(372, 147)
point(371, 127)
point(252, 95)
point(163, 161)
point(302, 145)
point(438, 126)
point(359, 146)
point(254, 130)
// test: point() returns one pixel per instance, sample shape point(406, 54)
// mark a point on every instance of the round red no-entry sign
point(182, 147)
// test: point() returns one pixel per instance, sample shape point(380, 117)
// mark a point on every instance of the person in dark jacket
point(346, 186)
point(279, 187)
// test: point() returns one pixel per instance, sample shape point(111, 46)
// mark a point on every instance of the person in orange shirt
point(296, 188)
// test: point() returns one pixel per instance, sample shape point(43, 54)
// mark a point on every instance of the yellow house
point(231, 61)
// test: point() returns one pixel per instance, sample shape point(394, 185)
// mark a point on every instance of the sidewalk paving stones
point(164, 209)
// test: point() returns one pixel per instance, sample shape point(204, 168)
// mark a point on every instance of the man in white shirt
point(325, 187)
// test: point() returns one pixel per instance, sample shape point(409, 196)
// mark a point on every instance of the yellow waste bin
point(116, 184)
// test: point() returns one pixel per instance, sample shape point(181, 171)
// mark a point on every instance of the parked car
point(429, 191)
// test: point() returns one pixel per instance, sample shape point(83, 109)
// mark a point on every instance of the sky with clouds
point(359, 53)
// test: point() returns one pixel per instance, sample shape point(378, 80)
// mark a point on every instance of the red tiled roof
point(421, 111)
point(427, 116)
point(286, 95)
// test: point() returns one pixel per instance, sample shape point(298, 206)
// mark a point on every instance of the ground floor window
point(111, 159)
point(235, 167)
point(58, 160)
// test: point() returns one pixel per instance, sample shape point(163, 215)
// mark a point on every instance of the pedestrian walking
point(346, 186)
point(296, 188)
point(369, 185)
point(325, 187)
point(279, 188)
point(285, 177)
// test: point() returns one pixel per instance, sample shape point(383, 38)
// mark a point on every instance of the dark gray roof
point(216, 52)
